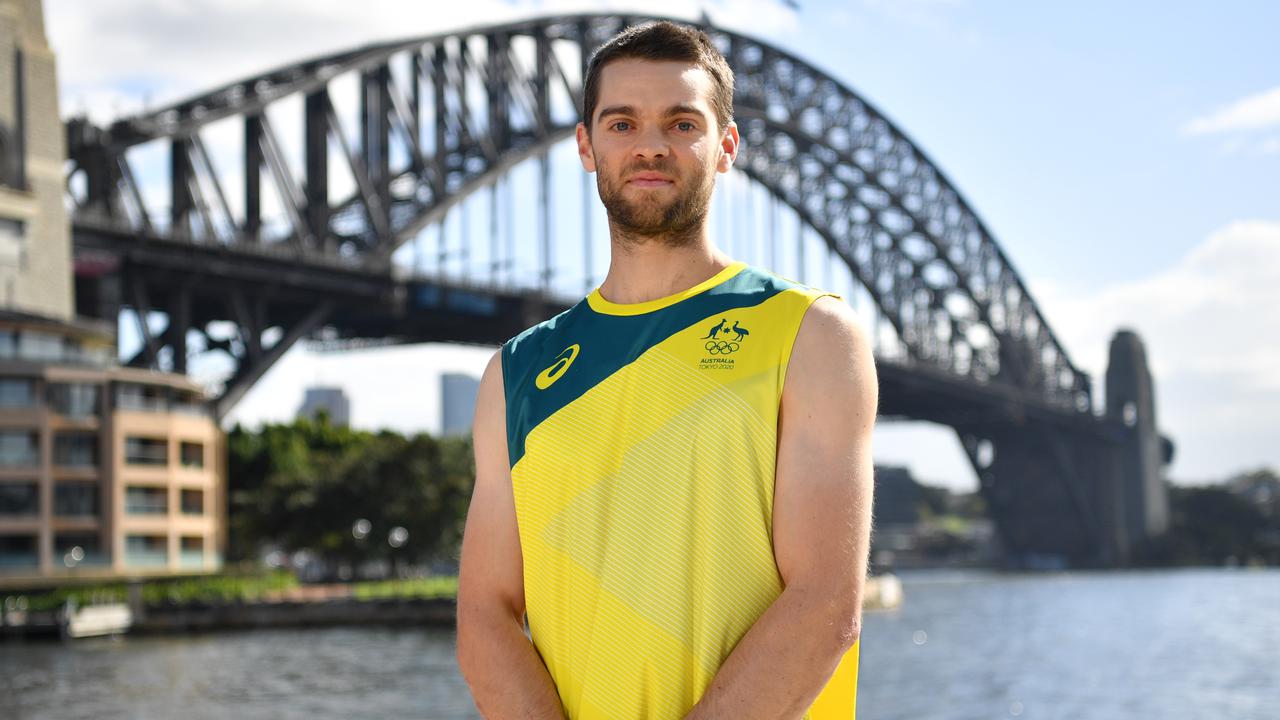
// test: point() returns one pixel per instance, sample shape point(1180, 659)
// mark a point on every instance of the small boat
point(95, 620)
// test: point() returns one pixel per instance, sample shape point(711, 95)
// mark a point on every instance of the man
point(681, 509)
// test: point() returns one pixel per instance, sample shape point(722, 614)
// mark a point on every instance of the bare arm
point(821, 526)
point(503, 669)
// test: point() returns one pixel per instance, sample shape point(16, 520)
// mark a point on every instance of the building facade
point(105, 471)
point(35, 237)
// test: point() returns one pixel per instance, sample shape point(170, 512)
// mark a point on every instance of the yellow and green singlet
point(643, 443)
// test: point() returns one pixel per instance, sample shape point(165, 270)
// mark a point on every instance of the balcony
point(74, 401)
point(19, 449)
point(11, 457)
point(18, 561)
point(141, 403)
point(140, 501)
point(193, 409)
point(146, 558)
point(146, 451)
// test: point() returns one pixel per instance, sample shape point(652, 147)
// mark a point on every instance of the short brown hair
point(662, 40)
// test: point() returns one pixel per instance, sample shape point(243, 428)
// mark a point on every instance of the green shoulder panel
point(554, 362)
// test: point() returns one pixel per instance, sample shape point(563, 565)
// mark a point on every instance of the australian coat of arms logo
point(721, 341)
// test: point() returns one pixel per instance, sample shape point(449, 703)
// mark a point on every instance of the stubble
point(676, 222)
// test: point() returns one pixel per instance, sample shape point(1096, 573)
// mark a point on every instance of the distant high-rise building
point(457, 403)
point(330, 399)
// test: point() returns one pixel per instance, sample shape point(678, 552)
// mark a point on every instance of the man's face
point(655, 147)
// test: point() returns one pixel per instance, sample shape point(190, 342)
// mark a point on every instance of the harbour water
point(964, 645)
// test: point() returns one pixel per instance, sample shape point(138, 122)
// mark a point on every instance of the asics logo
point(558, 368)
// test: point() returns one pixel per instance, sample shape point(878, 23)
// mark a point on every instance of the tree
point(305, 485)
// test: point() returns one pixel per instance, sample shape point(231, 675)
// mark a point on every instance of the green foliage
point(54, 599)
point(432, 587)
point(214, 588)
point(1211, 525)
point(304, 485)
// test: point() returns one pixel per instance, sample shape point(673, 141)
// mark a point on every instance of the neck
point(644, 269)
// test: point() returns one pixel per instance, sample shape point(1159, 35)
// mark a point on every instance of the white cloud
point(1251, 113)
point(1212, 335)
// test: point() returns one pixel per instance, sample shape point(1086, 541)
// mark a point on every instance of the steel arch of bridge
point(905, 232)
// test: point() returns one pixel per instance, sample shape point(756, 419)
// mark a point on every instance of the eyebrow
point(680, 109)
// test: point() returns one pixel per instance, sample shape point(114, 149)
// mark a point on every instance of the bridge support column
point(1050, 493)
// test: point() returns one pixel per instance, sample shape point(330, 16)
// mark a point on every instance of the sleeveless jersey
point(643, 443)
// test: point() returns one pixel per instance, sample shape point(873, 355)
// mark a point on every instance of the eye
point(620, 126)
point(685, 126)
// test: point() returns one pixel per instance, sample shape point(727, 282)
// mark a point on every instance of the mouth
point(649, 179)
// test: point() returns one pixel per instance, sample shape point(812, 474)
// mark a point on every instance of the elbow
point(840, 620)
point(848, 630)
point(846, 621)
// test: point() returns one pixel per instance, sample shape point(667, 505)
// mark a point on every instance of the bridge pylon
point(1143, 453)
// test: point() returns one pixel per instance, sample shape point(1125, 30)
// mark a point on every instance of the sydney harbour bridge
point(340, 161)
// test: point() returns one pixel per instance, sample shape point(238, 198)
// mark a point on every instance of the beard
point(675, 222)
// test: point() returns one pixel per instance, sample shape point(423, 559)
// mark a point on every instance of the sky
point(1125, 156)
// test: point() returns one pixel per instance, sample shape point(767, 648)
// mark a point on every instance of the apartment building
point(105, 471)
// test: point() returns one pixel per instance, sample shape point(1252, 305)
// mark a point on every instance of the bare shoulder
point(832, 365)
point(488, 428)
point(491, 381)
point(828, 316)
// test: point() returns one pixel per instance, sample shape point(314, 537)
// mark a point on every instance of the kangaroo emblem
point(715, 329)
point(742, 332)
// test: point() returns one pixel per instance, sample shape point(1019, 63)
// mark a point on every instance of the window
point(11, 151)
point(76, 549)
point(17, 393)
point(131, 396)
point(75, 499)
point(13, 238)
point(88, 352)
point(74, 400)
point(75, 450)
point(146, 501)
point(192, 455)
point(8, 344)
point(19, 448)
point(19, 498)
point(18, 551)
point(192, 502)
point(146, 550)
point(192, 406)
point(42, 347)
point(146, 451)
point(192, 551)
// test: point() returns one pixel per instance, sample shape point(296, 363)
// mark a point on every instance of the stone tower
point(35, 238)
point(1131, 400)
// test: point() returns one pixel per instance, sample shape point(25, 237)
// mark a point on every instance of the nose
point(651, 143)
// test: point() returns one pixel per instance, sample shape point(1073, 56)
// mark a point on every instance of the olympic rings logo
point(721, 347)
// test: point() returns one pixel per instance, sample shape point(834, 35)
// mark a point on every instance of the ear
point(585, 153)
point(729, 144)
